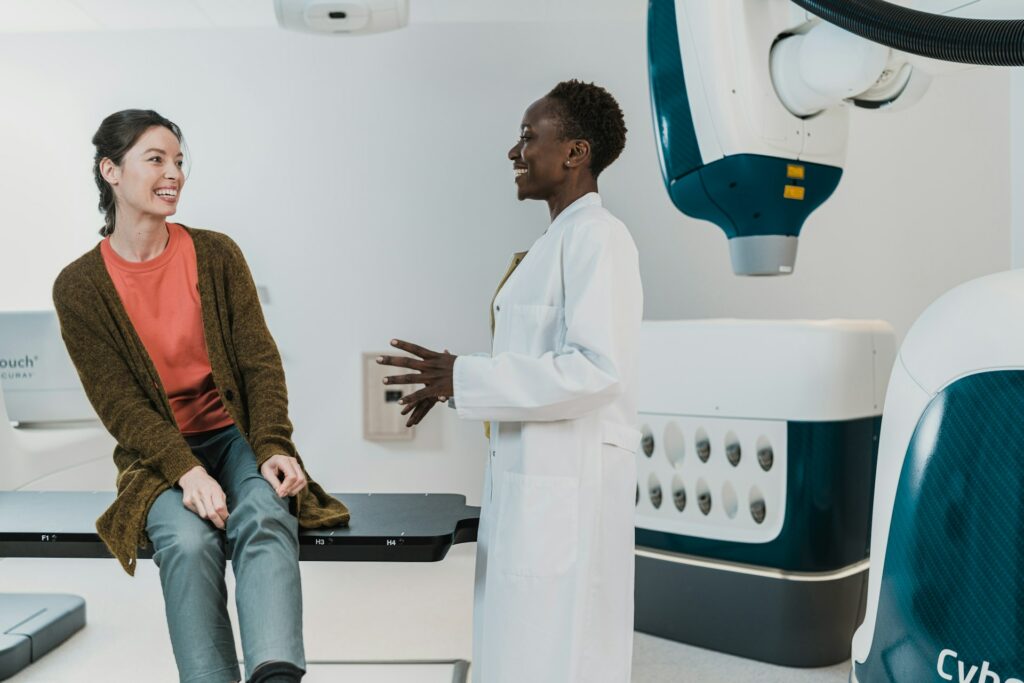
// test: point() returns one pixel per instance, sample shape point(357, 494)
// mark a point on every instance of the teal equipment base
point(32, 624)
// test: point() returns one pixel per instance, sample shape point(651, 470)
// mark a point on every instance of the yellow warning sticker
point(793, 192)
point(795, 171)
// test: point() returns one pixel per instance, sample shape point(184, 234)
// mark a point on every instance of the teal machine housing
point(756, 475)
point(743, 194)
point(951, 606)
point(794, 601)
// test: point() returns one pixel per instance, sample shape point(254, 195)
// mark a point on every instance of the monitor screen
point(39, 382)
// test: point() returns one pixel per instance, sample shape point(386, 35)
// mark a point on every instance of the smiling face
point(149, 180)
point(539, 158)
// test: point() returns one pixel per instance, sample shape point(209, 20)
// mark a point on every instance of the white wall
point(366, 180)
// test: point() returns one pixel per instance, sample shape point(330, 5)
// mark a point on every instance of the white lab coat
point(554, 586)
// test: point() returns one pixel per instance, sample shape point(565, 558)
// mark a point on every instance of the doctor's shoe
point(277, 672)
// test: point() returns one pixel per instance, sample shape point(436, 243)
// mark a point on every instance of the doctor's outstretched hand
point(434, 372)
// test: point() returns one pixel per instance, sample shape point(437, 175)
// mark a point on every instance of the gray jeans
point(190, 553)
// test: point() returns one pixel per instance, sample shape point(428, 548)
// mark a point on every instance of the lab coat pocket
point(534, 329)
point(538, 525)
point(620, 436)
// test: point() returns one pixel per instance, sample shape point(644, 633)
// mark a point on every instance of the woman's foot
point(277, 672)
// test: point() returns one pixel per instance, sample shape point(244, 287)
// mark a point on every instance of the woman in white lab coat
point(554, 586)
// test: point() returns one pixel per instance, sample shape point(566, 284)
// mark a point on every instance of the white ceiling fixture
point(354, 17)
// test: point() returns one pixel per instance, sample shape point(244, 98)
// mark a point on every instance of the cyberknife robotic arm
point(750, 102)
point(751, 98)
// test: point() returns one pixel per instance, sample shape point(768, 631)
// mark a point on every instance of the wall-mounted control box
point(382, 412)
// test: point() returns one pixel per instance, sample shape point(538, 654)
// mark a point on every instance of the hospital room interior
point(828, 218)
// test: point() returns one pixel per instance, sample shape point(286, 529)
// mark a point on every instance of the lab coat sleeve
point(580, 376)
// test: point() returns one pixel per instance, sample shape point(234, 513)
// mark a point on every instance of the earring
point(567, 164)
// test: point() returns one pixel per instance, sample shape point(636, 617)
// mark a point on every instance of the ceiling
point(18, 16)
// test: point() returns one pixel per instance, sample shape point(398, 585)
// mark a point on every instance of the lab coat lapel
point(517, 258)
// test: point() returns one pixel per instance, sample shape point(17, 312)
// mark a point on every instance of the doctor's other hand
point(433, 370)
point(419, 410)
point(285, 474)
point(201, 494)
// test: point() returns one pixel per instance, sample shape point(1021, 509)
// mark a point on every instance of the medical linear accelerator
point(755, 527)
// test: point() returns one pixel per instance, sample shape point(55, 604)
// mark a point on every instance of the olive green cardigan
point(123, 385)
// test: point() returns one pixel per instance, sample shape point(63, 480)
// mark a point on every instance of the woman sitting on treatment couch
point(165, 328)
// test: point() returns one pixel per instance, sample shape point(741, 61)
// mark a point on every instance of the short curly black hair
point(589, 112)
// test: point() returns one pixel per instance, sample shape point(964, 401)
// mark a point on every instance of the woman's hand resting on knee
point(203, 495)
point(285, 474)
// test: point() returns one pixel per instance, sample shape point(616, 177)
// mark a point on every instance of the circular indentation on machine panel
point(654, 490)
point(675, 444)
point(703, 497)
point(757, 506)
point(733, 452)
point(678, 493)
point(765, 453)
point(729, 501)
point(702, 444)
point(647, 441)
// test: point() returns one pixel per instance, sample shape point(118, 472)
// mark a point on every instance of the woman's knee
point(191, 545)
point(257, 497)
point(261, 513)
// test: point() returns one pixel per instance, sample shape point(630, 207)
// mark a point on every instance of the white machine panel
point(39, 382)
point(797, 370)
point(725, 49)
point(716, 399)
point(712, 477)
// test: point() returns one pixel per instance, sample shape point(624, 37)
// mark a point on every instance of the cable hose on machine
point(989, 42)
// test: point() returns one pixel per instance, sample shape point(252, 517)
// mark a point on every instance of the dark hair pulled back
point(115, 136)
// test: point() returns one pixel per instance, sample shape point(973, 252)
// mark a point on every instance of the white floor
point(353, 613)
point(380, 673)
point(663, 661)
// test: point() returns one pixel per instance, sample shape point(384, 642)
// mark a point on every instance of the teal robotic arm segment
point(751, 100)
point(760, 202)
point(730, 151)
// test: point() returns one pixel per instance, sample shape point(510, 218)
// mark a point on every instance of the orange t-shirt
point(161, 297)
